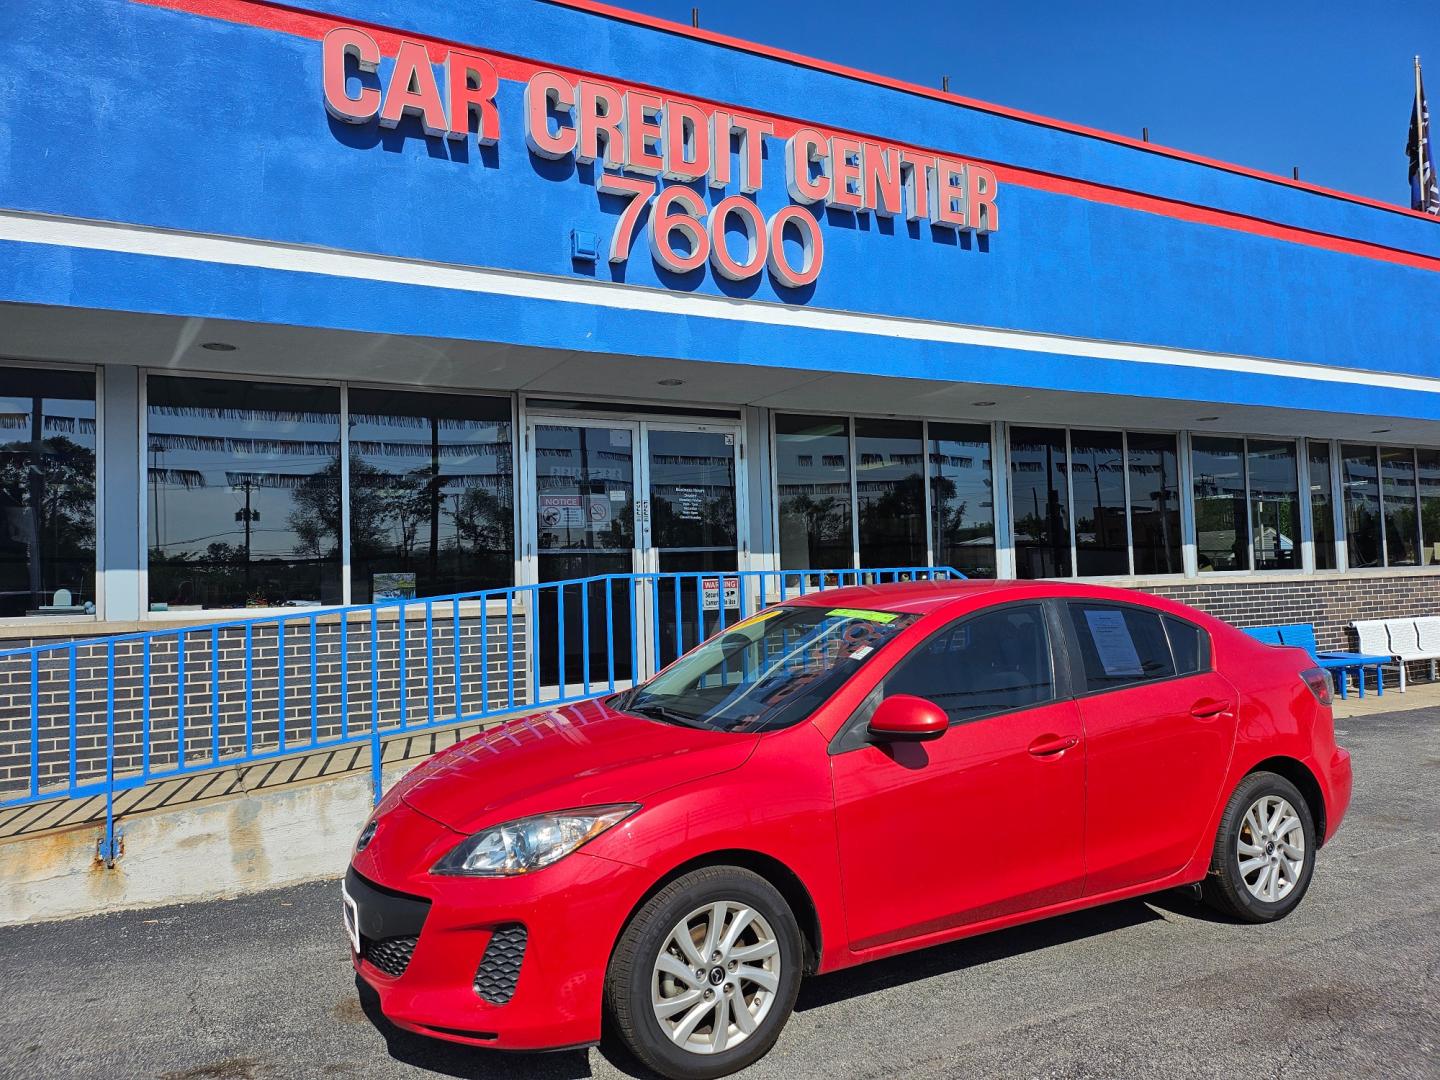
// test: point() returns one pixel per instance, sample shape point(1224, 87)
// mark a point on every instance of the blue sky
point(1268, 84)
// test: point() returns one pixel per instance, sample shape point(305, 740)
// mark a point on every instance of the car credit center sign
point(633, 136)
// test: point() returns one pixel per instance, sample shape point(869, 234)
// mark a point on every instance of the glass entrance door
point(586, 522)
point(623, 497)
point(693, 527)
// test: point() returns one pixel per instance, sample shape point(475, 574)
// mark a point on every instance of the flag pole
point(1420, 177)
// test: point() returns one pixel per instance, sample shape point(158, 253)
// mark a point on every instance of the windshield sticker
point(859, 613)
point(769, 613)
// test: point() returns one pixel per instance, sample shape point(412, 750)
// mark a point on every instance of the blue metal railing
point(97, 717)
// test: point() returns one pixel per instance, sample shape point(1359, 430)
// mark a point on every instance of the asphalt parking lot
point(1348, 986)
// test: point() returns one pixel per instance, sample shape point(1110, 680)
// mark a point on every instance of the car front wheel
point(1264, 851)
point(705, 975)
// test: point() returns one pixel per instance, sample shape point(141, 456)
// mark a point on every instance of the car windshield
point(767, 672)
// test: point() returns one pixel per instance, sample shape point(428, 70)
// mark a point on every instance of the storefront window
point(812, 465)
point(1222, 531)
point(47, 491)
point(1274, 504)
point(1040, 502)
point(243, 494)
point(1398, 494)
point(1097, 473)
point(961, 499)
point(1154, 503)
point(1428, 472)
point(890, 492)
point(1322, 506)
point(1360, 477)
point(431, 494)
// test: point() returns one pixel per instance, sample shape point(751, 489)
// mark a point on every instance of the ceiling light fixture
point(982, 404)
point(218, 346)
point(1205, 419)
point(1381, 431)
point(670, 382)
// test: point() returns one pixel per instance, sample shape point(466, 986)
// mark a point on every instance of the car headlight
point(518, 847)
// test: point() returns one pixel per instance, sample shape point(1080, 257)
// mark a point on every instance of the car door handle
point(1050, 745)
point(1209, 709)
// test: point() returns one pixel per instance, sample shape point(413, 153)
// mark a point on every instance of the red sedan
point(851, 775)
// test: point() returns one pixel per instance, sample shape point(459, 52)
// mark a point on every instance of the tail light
point(1318, 680)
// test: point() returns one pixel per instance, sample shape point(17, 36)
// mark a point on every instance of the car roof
point(923, 597)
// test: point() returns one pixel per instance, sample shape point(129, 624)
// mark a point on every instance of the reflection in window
point(1322, 506)
point(47, 492)
point(815, 531)
point(961, 498)
point(1274, 504)
point(1397, 479)
point(1097, 474)
point(1154, 503)
point(431, 494)
point(1360, 478)
point(1040, 502)
point(1428, 462)
point(243, 494)
point(1222, 535)
point(890, 492)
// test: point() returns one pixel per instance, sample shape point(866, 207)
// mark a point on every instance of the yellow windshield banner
point(860, 613)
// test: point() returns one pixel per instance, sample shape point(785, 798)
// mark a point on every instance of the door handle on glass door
point(1209, 708)
point(1052, 745)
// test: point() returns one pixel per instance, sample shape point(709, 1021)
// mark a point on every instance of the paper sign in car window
point(860, 613)
point(1113, 643)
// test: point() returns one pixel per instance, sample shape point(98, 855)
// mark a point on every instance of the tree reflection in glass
point(47, 492)
point(431, 494)
point(243, 493)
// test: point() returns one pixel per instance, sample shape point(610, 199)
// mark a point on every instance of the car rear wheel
point(1264, 851)
point(705, 975)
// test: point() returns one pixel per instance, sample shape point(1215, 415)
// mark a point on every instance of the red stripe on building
point(299, 22)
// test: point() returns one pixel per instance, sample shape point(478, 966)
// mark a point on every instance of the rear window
point(1120, 646)
point(1188, 644)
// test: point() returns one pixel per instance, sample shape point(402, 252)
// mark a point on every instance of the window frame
point(1079, 681)
point(343, 386)
point(96, 371)
point(997, 437)
point(852, 734)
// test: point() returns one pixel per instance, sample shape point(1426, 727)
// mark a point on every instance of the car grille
point(392, 955)
point(499, 968)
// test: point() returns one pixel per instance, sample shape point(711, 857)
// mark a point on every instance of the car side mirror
point(907, 718)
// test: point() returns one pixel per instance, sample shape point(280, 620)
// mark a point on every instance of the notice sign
point(573, 511)
point(710, 594)
point(690, 503)
point(1113, 643)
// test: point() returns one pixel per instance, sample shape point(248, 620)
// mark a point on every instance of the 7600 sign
point(678, 209)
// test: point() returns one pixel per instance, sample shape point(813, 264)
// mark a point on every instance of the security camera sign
point(710, 594)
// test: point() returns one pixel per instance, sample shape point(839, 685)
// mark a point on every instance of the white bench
point(1404, 639)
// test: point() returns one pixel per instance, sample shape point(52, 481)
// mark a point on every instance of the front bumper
point(543, 940)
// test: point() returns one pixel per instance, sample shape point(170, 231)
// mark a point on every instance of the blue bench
point(1302, 636)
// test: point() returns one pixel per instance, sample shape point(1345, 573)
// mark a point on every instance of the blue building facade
point(309, 306)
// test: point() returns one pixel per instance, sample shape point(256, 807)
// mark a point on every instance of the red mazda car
point(847, 776)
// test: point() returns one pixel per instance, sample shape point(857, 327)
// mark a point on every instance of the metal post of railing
point(429, 662)
point(455, 642)
point(376, 747)
point(109, 845)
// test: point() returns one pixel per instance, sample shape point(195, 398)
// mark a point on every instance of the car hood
point(578, 755)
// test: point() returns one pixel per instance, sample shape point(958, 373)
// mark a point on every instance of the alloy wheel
point(1270, 848)
point(715, 979)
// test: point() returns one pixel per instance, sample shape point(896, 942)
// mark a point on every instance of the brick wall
point(328, 691)
point(1330, 603)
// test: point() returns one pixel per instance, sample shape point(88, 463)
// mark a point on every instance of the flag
point(1424, 185)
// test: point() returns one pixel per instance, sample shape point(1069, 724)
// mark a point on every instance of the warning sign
point(710, 594)
point(573, 511)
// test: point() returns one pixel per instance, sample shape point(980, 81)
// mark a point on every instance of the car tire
point(656, 985)
point(1264, 851)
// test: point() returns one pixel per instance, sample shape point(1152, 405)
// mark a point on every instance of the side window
point(1120, 646)
point(987, 663)
point(1189, 645)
